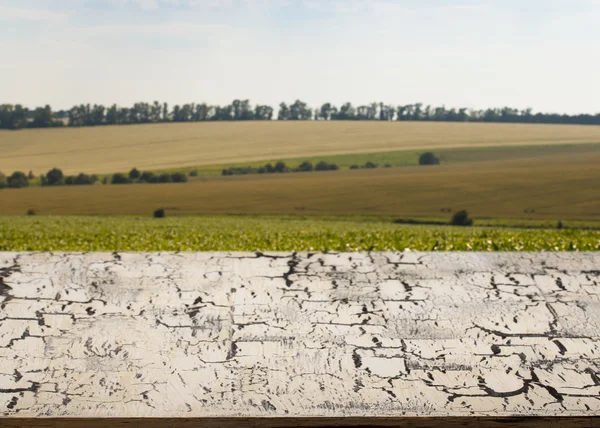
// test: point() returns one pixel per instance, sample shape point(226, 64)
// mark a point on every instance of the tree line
point(19, 117)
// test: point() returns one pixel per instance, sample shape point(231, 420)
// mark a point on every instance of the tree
point(305, 167)
point(280, 167)
point(54, 177)
point(134, 174)
point(120, 179)
point(18, 180)
point(179, 177)
point(428, 158)
point(147, 177)
point(325, 166)
point(284, 112)
point(159, 213)
point(3, 181)
point(461, 218)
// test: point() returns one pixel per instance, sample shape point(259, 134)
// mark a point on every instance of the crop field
point(271, 234)
point(553, 188)
point(109, 149)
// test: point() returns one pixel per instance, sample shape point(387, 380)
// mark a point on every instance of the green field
point(272, 234)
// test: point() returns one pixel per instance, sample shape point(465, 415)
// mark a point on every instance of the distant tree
point(179, 177)
point(164, 178)
point(159, 213)
point(428, 158)
point(194, 173)
point(84, 179)
point(30, 175)
point(269, 168)
point(370, 165)
point(3, 181)
point(120, 179)
point(134, 174)
point(559, 225)
point(387, 165)
point(31, 211)
point(284, 112)
point(325, 166)
point(305, 167)
point(18, 180)
point(461, 218)
point(148, 177)
point(354, 166)
point(54, 177)
point(280, 167)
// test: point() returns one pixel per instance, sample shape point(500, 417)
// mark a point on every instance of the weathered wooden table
point(243, 339)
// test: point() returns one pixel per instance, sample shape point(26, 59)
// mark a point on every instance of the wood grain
point(354, 335)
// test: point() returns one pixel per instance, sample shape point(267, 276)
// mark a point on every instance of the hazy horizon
point(473, 54)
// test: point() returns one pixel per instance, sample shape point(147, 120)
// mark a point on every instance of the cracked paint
point(302, 334)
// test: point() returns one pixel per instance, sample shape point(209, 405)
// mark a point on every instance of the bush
point(559, 225)
point(31, 211)
point(159, 213)
point(134, 174)
point(305, 166)
point(164, 178)
point(18, 180)
point(354, 166)
point(83, 179)
point(179, 177)
point(3, 181)
point(370, 165)
point(148, 177)
point(30, 175)
point(461, 218)
point(387, 165)
point(120, 179)
point(428, 158)
point(54, 177)
point(194, 173)
point(324, 166)
point(280, 167)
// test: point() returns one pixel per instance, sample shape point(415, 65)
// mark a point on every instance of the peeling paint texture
point(299, 335)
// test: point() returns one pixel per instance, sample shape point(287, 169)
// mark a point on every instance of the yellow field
point(119, 148)
point(555, 187)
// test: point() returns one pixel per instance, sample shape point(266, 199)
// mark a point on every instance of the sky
point(539, 54)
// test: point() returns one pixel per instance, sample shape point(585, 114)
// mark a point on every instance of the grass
point(561, 187)
point(108, 149)
point(271, 234)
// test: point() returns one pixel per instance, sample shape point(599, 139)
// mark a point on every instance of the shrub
point(179, 177)
point(84, 179)
point(194, 173)
point(280, 167)
point(31, 211)
point(324, 166)
point(428, 158)
point(30, 175)
point(120, 179)
point(164, 178)
point(387, 165)
point(354, 166)
point(159, 213)
point(305, 166)
point(461, 218)
point(134, 174)
point(147, 177)
point(3, 181)
point(559, 225)
point(54, 177)
point(18, 180)
point(370, 165)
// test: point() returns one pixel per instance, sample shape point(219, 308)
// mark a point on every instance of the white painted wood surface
point(299, 335)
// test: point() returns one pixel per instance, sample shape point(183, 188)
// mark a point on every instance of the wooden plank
point(363, 339)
